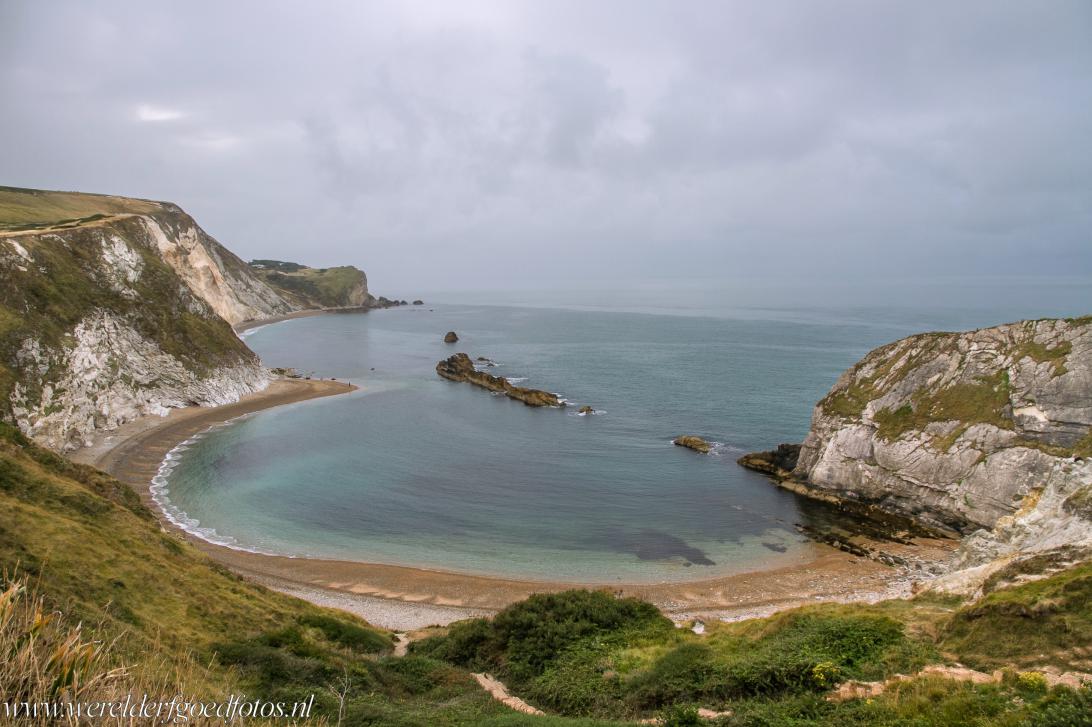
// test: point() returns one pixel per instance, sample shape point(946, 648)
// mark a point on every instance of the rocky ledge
point(461, 369)
point(984, 435)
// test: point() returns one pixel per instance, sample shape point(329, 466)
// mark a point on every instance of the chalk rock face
point(984, 433)
point(118, 314)
point(112, 374)
point(955, 428)
point(211, 271)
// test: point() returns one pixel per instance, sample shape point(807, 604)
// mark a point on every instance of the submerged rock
point(691, 442)
point(461, 369)
point(451, 337)
point(585, 410)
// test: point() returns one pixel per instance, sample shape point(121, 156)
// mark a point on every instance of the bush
point(350, 635)
point(1064, 708)
point(525, 638)
point(534, 632)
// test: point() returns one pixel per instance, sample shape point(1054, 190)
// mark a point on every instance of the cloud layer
point(473, 144)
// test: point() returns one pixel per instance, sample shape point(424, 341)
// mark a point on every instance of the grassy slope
point(589, 654)
point(29, 209)
point(310, 287)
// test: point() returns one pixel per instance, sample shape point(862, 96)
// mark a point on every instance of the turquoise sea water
point(416, 470)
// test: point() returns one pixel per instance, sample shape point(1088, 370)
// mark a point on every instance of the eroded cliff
point(119, 311)
point(985, 434)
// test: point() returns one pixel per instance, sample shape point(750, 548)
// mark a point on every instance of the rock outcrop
point(461, 369)
point(691, 442)
point(778, 463)
point(451, 337)
point(985, 434)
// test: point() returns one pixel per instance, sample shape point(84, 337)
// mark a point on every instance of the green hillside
point(309, 288)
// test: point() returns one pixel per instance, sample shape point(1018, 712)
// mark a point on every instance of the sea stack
point(451, 337)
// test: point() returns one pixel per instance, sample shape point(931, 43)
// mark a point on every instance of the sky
point(498, 145)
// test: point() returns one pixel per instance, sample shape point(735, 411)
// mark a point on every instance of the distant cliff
point(986, 433)
point(308, 288)
point(112, 308)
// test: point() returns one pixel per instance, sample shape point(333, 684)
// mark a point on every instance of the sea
point(418, 471)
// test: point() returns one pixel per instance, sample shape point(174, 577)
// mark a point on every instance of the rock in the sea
point(483, 361)
point(585, 410)
point(777, 463)
point(460, 368)
point(695, 443)
point(418, 302)
point(451, 337)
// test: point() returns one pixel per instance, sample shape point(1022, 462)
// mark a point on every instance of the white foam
point(175, 515)
point(251, 331)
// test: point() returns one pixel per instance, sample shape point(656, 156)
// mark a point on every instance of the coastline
point(259, 322)
point(405, 598)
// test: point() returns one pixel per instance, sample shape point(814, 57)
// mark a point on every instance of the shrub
point(350, 635)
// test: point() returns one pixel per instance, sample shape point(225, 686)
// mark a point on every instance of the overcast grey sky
point(448, 144)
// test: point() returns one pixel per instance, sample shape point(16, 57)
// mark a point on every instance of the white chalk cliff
point(119, 315)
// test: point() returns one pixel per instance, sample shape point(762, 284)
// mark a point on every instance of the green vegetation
point(985, 401)
point(1041, 354)
point(313, 287)
point(887, 365)
point(1043, 623)
point(982, 401)
point(31, 209)
point(772, 671)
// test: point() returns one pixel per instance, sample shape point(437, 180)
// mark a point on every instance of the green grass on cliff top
point(28, 209)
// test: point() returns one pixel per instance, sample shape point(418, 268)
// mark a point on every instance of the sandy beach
point(403, 598)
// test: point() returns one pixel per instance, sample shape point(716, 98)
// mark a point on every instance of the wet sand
point(407, 598)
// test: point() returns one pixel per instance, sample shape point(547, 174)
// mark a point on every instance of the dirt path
point(499, 692)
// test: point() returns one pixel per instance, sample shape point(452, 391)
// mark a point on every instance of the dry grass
point(45, 659)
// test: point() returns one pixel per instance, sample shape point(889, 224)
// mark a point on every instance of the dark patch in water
point(654, 545)
point(776, 547)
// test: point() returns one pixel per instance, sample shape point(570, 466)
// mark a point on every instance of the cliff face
point(115, 314)
point(984, 433)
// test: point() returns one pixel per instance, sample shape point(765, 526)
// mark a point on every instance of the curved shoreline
point(404, 597)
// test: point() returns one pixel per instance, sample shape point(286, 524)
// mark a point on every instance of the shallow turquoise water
point(416, 470)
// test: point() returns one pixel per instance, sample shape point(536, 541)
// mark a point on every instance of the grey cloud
point(426, 142)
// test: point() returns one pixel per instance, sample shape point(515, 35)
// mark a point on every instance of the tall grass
point(47, 660)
